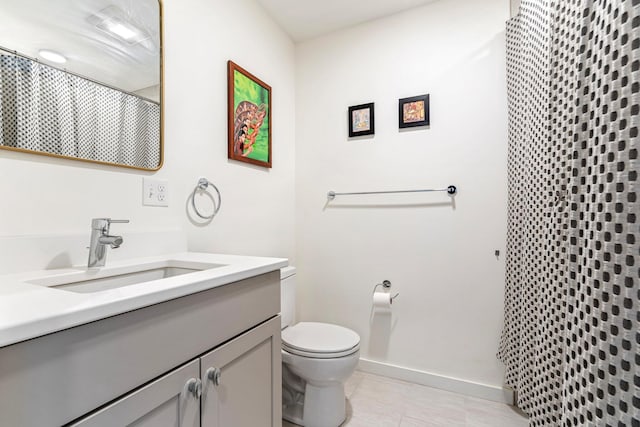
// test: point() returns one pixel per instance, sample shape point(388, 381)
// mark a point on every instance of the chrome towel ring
point(203, 184)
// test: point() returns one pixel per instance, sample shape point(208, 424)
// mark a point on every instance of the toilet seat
point(320, 340)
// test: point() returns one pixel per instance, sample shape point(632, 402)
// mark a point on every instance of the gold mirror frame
point(161, 105)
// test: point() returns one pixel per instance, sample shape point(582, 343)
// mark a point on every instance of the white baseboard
point(469, 388)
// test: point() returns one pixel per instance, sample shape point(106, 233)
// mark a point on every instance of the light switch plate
point(155, 192)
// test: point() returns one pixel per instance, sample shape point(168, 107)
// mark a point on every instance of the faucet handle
point(104, 223)
point(113, 221)
point(117, 221)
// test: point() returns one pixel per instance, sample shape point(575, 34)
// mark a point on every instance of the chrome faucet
point(100, 238)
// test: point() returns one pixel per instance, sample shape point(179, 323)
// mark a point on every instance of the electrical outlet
point(155, 192)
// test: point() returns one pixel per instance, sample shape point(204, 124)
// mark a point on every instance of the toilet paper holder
point(386, 285)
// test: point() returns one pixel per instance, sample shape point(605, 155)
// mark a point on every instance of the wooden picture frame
point(249, 117)
point(361, 120)
point(413, 111)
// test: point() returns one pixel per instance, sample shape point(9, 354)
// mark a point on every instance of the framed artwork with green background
point(249, 117)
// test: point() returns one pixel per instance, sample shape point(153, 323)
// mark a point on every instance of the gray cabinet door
point(166, 402)
point(242, 380)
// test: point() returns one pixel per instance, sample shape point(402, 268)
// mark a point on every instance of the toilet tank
point(288, 296)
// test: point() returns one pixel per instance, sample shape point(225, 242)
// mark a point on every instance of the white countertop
point(30, 310)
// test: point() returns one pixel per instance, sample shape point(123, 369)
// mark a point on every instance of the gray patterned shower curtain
point(571, 337)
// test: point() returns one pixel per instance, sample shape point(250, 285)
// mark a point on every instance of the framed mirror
point(82, 79)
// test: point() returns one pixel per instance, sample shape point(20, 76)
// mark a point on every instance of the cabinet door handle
point(194, 385)
point(214, 375)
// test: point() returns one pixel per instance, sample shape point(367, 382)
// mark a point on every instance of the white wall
point(258, 203)
point(448, 316)
point(41, 195)
point(515, 7)
point(439, 256)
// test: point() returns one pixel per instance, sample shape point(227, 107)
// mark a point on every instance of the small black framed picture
point(361, 120)
point(414, 111)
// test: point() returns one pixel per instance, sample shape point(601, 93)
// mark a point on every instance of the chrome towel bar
point(450, 190)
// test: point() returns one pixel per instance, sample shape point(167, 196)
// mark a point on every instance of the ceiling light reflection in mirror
point(114, 42)
point(51, 56)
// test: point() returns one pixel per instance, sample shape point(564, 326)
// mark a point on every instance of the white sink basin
point(39, 302)
point(89, 281)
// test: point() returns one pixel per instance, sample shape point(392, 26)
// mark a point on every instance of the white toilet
point(317, 358)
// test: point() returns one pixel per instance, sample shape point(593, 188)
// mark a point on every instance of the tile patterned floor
point(374, 401)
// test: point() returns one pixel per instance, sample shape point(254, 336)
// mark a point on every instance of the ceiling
point(306, 19)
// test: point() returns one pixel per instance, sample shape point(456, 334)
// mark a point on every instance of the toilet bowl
point(317, 358)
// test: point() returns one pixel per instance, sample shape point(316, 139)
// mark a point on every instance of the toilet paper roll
point(382, 302)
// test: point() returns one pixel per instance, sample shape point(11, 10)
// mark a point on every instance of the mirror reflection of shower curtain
point(48, 110)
